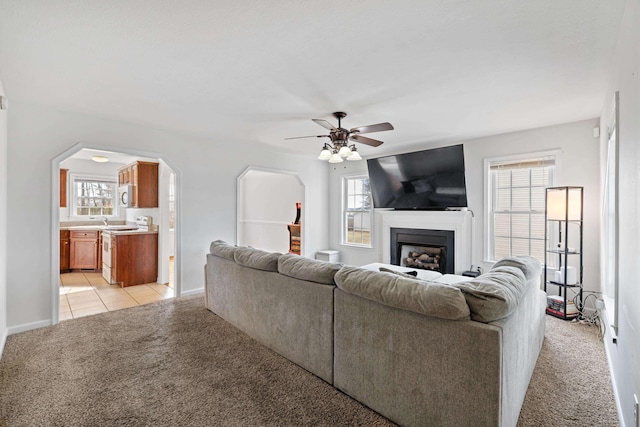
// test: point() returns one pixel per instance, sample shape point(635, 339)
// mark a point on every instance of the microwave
point(125, 195)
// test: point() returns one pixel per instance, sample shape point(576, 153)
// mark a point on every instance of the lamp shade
point(335, 158)
point(325, 154)
point(557, 200)
point(354, 156)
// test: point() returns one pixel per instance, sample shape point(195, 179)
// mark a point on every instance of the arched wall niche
point(266, 205)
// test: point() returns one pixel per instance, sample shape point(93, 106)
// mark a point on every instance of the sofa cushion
point(257, 258)
point(311, 270)
point(431, 299)
point(494, 295)
point(531, 267)
point(222, 249)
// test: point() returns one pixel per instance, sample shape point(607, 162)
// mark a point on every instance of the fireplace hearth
point(423, 249)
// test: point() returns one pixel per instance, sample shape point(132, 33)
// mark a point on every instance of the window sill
point(353, 245)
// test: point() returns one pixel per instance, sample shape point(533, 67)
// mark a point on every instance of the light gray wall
point(624, 356)
point(578, 165)
point(207, 189)
point(3, 224)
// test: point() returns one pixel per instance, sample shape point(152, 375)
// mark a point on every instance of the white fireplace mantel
point(460, 222)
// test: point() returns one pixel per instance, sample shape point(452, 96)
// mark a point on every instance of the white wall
point(207, 194)
point(267, 204)
point(624, 356)
point(578, 165)
point(3, 224)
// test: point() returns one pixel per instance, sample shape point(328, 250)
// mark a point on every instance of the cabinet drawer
point(84, 234)
point(64, 234)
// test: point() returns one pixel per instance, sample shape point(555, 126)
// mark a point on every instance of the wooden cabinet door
point(83, 253)
point(64, 251)
point(63, 187)
point(99, 253)
point(143, 176)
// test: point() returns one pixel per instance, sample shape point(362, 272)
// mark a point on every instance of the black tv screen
point(429, 180)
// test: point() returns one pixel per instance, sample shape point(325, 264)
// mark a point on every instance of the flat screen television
point(423, 180)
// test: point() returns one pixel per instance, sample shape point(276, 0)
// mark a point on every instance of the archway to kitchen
point(88, 290)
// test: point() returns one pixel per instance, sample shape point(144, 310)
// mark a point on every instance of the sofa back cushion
point(496, 294)
point(222, 249)
point(431, 299)
point(257, 258)
point(310, 270)
point(531, 267)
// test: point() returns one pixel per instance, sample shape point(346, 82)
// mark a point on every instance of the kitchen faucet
point(104, 219)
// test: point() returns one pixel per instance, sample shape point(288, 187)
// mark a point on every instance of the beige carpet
point(175, 363)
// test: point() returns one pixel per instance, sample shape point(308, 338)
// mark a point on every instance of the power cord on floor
point(593, 317)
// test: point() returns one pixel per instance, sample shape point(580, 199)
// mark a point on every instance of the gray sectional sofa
point(420, 353)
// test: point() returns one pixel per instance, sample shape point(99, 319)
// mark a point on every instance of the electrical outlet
point(599, 304)
point(636, 411)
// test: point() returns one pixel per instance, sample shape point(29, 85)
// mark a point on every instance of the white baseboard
point(28, 326)
point(192, 292)
point(608, 341)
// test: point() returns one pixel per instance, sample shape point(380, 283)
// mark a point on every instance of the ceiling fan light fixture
point(335, 158)
point(325, 154)
point(344, 151)
point(339, 149)
point(354, 156)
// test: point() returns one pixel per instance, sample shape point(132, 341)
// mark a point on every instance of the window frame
point(343, 213)
point(73, 208)
point(489, 244)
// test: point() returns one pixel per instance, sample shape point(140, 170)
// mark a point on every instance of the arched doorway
point(166, 215)
point(266, 205)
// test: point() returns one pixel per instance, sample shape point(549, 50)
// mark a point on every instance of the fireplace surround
point(458, 222)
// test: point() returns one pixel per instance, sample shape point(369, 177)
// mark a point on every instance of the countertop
point(118, 229)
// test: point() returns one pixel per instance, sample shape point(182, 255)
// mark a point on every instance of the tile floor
point(84, 294)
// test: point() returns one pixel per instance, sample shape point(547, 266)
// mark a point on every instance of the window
point(516, 200)
point(357, 211)
point(93, 196)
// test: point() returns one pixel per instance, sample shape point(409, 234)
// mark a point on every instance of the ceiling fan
point(339, 147)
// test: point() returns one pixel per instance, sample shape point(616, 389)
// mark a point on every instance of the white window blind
point(517, 200)
point(357, 211)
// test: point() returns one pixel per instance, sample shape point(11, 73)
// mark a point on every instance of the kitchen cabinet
point(63, 187)
point(143, 176)
point(134, 258)
point(83, 252)
point(64, 251)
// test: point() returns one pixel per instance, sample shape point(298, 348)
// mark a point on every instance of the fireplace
point(424, 249)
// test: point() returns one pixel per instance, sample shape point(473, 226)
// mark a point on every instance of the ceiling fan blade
point(325, 124)
point(310, 136)
point(365, 140)
point(373, 128)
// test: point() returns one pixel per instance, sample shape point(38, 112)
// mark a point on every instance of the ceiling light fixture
point(100, 159)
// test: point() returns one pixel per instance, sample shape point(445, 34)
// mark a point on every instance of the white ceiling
point(258, 71)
